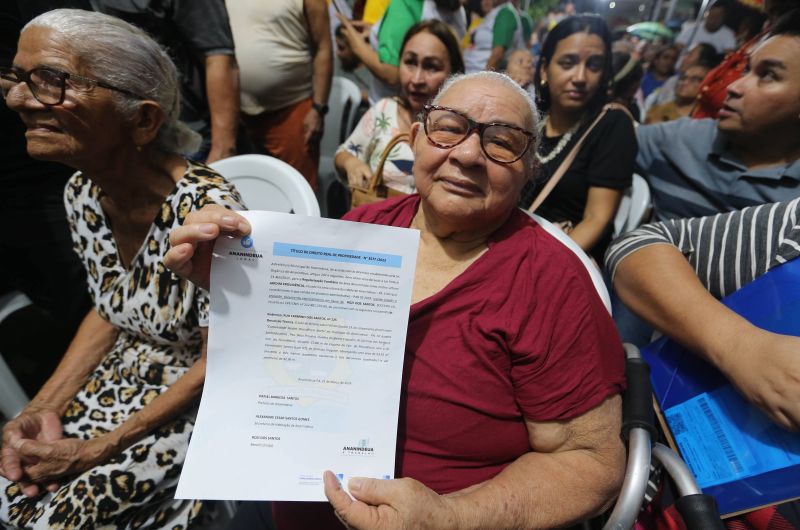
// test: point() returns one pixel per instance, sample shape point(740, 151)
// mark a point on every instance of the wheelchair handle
point(699, 511)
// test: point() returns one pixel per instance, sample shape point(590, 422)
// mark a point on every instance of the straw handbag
point(375, 189)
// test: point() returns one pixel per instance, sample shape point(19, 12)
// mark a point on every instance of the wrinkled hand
point(389, 505)
point(768, 374)
point(44, 462)
point(33, 425)
point(358, 173)
point(193, 242)
point(313, 126)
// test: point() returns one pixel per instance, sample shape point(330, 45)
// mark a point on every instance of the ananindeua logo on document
point(246, 255)
point(362, 448)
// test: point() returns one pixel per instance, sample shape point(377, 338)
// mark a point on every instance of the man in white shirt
point(713, 31)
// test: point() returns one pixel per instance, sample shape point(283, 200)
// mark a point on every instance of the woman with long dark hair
point(381, 55)
point(428, 55)
point(572, 81)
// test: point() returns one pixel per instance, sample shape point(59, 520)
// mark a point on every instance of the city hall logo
point(362, 448)
point(246, 255)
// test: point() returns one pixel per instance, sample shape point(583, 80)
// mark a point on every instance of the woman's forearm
point(587, 233)
point(538, 490)
point(94, 338)
point(322, 61)
point(340, 162)
point(573, 471)
point(496, 56)
point(601, 206)
point(387, 73)
point(166, 406)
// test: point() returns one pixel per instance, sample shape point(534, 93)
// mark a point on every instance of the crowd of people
point(479, 120)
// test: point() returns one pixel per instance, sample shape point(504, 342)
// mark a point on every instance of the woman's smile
point(460, 186)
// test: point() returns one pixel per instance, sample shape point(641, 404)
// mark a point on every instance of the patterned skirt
point(134, 489)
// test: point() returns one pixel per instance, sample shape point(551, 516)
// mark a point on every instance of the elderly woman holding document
point(512, 364)
point(102, 443)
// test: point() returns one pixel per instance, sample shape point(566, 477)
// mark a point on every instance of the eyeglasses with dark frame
point(48, 85)
point(501, 142)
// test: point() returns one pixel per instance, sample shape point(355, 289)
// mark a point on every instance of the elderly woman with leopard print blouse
point(102, 443)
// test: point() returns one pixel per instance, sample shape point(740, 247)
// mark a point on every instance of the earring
point(543, 83)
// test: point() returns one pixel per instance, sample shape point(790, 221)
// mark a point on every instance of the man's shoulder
point(682, 132)
point(685, 142)
point(506, 10)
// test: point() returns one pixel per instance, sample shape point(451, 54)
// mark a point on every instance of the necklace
point(561, 143)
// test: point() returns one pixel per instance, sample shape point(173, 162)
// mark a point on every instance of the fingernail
point(354, 484)
point(243, 227)
point(228, 220)
point(207, 229)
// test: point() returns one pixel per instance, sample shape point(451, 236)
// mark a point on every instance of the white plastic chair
point(343, 102)
point(633, 207)
point(267, 183)
point(594, 272)
point(12, 397)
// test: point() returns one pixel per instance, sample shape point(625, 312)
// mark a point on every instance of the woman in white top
point(428, 55)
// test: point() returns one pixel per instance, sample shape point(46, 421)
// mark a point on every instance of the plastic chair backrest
point(267, 183)
point(12, 397)
point(633, 207)
point(343, 103)
point(591, 267)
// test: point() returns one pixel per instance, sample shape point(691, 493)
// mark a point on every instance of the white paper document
point(305, 358)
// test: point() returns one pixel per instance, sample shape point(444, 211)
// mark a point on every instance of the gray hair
point(127, 57)
point(531, 113)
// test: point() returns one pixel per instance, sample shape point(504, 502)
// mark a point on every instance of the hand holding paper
point(193, 242)
point(305, 352)
point(389, 505)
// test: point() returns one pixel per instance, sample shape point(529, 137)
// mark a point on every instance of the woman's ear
point(416, 127)
point(543, 72)
point(147, 122)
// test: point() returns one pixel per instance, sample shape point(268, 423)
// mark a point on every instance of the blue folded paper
point(737, 453)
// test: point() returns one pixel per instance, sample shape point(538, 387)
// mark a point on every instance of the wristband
point(321, 109)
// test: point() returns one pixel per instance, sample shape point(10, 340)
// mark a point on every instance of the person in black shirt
point(573, 73)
